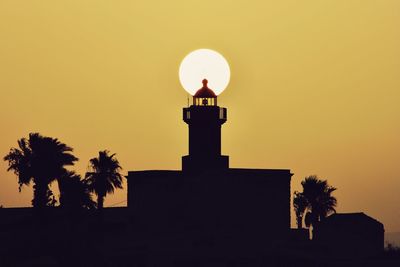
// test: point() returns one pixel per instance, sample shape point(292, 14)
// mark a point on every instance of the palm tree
point(318, 194)
point(300, 205)
point(74, 192)
point(104, 176)
point(41, 160)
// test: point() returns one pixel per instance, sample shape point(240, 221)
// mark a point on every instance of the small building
point(350, 235)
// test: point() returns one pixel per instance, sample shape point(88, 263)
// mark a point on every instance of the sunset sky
point(315, 87)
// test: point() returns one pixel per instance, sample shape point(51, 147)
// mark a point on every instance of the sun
point(204, 64)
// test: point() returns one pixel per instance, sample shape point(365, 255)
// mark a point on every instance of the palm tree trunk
point(100, 202)
point(40, 190)
point(60, 183)
point(299, 220)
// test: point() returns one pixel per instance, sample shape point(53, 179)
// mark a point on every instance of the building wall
point(236, 207)
point(351, 235)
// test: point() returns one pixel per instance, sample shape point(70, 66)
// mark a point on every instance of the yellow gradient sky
point(314, 87)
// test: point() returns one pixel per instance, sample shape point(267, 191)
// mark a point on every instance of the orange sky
point(314, 88)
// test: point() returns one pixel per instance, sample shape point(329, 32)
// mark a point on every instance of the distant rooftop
point(355, 218)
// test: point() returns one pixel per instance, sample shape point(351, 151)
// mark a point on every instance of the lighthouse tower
point(204, 118)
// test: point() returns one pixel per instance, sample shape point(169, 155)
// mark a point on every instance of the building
point(351, 235)
point(207, 207)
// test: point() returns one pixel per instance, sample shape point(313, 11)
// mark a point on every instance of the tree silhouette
point(41, 160)
point(318, 194)
point(74, 192)
point(300, 205)
point(104, 176)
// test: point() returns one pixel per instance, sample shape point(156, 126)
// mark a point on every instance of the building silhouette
point(350, 235)
point(206, 214)
point(208, 207)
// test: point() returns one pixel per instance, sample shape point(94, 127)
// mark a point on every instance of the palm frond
point(39, 159)
point(318, 194)
point(103, 175)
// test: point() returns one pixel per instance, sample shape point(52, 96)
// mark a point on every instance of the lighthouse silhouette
point(205, 119)
point(208, 209)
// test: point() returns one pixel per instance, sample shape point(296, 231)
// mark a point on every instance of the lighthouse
point(208, 208)
point(205, 119)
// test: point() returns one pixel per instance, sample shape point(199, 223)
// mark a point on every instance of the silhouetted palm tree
point(74, 192)
point(39, 159)
point(104, 176)
point(318, 194)
point(300, 205)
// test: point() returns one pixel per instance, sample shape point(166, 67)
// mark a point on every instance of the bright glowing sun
point(204, 64)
